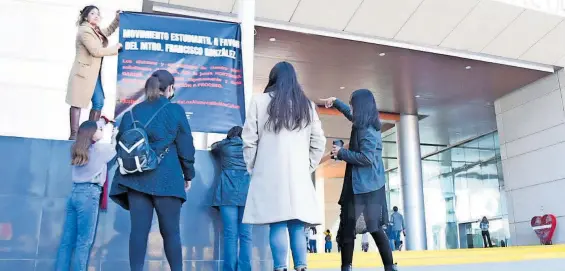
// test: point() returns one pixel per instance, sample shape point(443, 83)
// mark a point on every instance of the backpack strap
point(132, 119)
point(154, 115)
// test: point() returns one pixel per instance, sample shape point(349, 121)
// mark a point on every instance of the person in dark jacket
point(230, 197)
point(363, 198)
point(162, 189)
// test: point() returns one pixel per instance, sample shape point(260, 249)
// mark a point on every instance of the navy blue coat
point(233, 184)
point(170, 129)
point(364, 155)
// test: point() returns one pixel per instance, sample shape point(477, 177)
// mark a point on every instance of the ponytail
point(152, 91)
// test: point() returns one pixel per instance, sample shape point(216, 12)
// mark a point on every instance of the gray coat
point(281, 165)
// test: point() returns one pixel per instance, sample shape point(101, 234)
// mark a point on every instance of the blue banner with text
point(204, 57)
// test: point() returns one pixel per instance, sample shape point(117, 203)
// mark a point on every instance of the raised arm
point(185, 145)
point(339, 105)
point(367, 147)
point(108, 31)
point(216, 147)
point(250, 136)
point(92, 43)
point(317, 142)
point(343, 108)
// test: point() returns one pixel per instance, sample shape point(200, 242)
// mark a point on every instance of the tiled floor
point(540, 265)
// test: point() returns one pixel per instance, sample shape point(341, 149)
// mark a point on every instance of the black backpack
point(135, 154)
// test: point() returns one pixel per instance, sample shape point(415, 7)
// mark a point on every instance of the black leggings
point(141, 212)
point(382, 243)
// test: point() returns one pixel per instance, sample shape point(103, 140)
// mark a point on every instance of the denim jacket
point(364, 155)
point(233, 184)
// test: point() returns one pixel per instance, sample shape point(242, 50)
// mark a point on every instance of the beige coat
point(86, 68)
point(281, 167)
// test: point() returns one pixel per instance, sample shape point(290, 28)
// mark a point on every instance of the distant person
point(230, 197)
point(398, 226)
point(163, 189)
point(327, 241)
point(89, 160)
point(313, 240)
point(365, 242)
point(363, 196)
point(283, 143)
point(85, 83)
point(485, 232)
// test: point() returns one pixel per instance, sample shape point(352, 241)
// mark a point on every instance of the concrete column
point(410, 165)
point(246, 15)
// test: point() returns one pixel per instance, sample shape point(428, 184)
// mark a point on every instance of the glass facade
point(461, 185)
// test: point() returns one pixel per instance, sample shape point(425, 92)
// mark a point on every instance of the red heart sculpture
point(544, 227)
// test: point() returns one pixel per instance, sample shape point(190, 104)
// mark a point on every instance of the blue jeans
point(98, 95)
point(279, 243)
point(396, 240)
point(234, 229)
point(313, 246)
point(328, 247)
point(80, 227)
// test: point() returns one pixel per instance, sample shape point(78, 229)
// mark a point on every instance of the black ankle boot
point(391, 268)
point(346, 268)
point(280, 269)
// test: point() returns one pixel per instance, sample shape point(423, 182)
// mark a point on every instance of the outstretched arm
point(339, 105)
point(108, 31)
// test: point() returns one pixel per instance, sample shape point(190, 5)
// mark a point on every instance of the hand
point(114, 135)
point(187, 185)
point(335, 150)
point(329, 102)
point(119, 46)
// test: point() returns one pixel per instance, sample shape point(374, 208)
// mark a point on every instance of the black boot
point(391, 268)
point(94, 115)
point(346, 268)
point(280, 269)
point(74, 116)
point(301, 269)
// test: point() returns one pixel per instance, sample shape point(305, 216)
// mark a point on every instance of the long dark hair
point(159, 81)
point(365, 112)
point(235, 132)
point(79, 150)
point(84, 13)
point(289, 108)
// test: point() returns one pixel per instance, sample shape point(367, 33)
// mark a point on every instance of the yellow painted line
point(443, 257)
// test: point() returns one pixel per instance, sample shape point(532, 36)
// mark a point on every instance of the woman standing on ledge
point(85, 84)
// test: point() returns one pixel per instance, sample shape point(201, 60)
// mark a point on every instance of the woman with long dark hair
point(230, 197)
point(85, 83)
point(363, 198)
point(283, 143)
point(89, 169)
point(163, 189)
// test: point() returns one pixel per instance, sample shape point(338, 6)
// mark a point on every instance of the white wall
point(531, 126)
point(36, 55)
